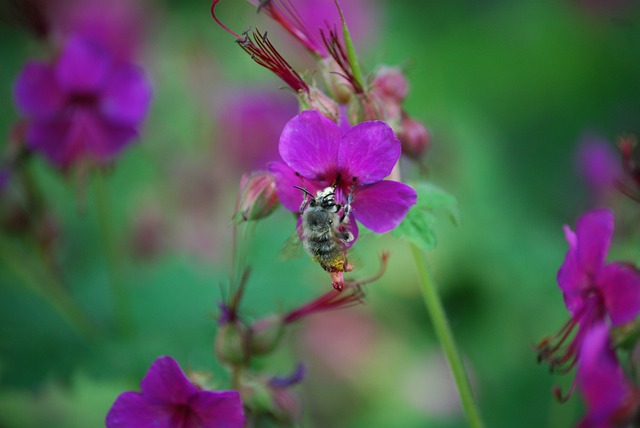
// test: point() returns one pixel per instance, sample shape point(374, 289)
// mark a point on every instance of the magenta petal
point(382, 206)
point(290, 197)
point(133, 410)
point(343, 119)
point(572, 278)
point(165, 382)
point(221, 409)
point(620, 286)
point(369, 151)
point(82, 66)
point(50, 139)
point(599, 377)
point(116, 137)
point(36, 91)
point(594, 231)
point(309, 144)
point(126, 96)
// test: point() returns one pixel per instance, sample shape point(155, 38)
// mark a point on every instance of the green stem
point(49, 290)
point(119, 290)
point(445, 336)
point(351, 50)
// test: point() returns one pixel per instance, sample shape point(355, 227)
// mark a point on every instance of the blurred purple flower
point(304, 19)
point(85, 106)
point(169, 400)
point(598, 165)
point(117, 26)
point(608, 396)
point(593, 291)
point(5, 178)
point(318, 155)
point(253, 121)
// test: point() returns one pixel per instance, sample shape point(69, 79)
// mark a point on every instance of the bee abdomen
point(327, 253)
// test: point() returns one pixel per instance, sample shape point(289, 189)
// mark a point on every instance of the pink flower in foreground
point(169, 400)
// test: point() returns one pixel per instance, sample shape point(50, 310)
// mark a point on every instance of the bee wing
point(292, 247)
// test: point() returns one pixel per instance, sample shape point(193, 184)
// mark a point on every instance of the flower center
point(83, 99)
point(184, 417)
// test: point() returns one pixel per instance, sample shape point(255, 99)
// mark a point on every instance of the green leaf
point(418, 225)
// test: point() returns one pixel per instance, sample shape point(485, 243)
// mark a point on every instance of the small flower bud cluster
point(390, 87)
point(240, 341)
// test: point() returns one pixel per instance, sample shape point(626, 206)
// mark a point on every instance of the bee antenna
point(304, 190)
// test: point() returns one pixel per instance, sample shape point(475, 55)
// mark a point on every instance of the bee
point(324, 234)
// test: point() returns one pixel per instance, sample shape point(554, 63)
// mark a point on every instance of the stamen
point(562, 398)
point(265, 54)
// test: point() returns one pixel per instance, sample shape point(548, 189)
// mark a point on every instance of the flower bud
point(285, 407)
point(337, 84)
point(414, 137)
point(265, 400)
point(265, 335)
point(364, 107)
point(230, 344)
point(258, 197)
point(391, 83)
point(255, 394)
point(315, 99)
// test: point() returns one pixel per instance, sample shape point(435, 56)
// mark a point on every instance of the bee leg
point(347, 209)
point(337, 281)
point(305, 201)
point(345, 236)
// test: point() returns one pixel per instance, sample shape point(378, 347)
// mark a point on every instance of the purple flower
point(169, 400)
point(117, 25)
point(318, 155)
point(594, 291)
point(608, 395)
point(253, 147)
point(85, 106)
point(304, 19)
point(598, 165)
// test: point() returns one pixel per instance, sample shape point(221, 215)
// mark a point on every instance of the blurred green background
point(507, 89)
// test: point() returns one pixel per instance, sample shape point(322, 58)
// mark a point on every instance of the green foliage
point(418, 226)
